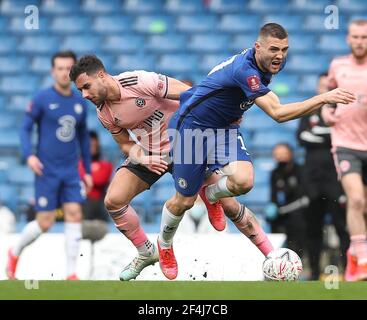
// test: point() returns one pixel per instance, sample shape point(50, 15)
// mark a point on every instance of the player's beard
point(102, 95)
point(359, 53)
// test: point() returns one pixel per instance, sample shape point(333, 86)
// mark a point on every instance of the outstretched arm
point(271, 105)
point(175, 88)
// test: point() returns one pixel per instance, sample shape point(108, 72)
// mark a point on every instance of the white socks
point(169, 225)
point(146, 249)
point(73, 235)
point(29, 234)
point(218, 190)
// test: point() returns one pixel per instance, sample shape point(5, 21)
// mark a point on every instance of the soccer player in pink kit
point(143, 103)
point(349, 143)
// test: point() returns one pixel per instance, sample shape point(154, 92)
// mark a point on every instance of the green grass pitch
point(177, 290)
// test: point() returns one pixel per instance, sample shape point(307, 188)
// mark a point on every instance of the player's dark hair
point(323, 74)
point(273, 30)
point(93, 134)
point(63, 54)
point(89, 64)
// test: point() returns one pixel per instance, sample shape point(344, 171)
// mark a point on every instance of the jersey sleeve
point(111, 127)
point(153, 84)
point(250, 82)
point(332, 83)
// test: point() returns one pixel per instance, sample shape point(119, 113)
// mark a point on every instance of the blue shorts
point(53, 190)
point(195, 149)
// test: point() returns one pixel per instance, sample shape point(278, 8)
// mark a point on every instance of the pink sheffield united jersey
point(142, 109)
point(350, 130)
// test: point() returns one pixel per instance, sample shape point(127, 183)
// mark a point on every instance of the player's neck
point(361, 60)
point(63, 91)
point(113, 93)
point(258, 64)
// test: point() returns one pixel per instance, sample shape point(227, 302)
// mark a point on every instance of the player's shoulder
point(341, 60)
point(244, 62)
point(128, 75)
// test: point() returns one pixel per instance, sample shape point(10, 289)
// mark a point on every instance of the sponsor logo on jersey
point(140, 102)
point(78, 108)
point(53, 106)
point(156, 117)
point(182, 183)
point(253, 82)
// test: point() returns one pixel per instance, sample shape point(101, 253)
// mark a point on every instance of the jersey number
point(66, 132)
point(243, 147)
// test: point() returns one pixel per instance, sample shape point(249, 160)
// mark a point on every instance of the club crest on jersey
point(182, 183)
point(140, 102)
point(78, 108)
point(253, 82)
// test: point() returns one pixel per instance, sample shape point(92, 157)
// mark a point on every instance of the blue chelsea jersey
point(226, 93)
point(62, 129)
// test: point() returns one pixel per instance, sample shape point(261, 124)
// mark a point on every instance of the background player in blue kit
point(207, 113)
point(60, 115)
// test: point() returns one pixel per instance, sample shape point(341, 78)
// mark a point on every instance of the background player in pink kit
point(349, 143)
point(143, 102)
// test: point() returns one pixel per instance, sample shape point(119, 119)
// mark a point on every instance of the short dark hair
point(323, 74)
point(93, 134)
point(63, 54)
point(89, 64)
point(273, 30)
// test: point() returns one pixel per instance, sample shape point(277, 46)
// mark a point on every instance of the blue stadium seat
point(184, 6)
point(70, 24)
point(241, 42)
point(289, 22)
point(59, 7)
point(19, 102)
point(26, 195)
point(317, 6)
point(308, 84)
point(123, 44)
point(357, 16)
point(13, 64)
point(7, 162)
point(163, 193)
point(227, 6)
point(41, 64)
point(165, 181)
point(234, 23)
point(17, 25)
point(21, 175)
point(11, 7)
point(101, 6)
point(3, 175)
point(259, 194)
point(302, 42)
point(308, 63)
point(39, 44)
point(9, 196)
point(266, 6)
point(335, 43)
point(292, 125)
point(284, 83)
point(269, 139)
point(209, 61)
point(81, 43)
point(211, 43)
point(93, 122)
point(142, 6)
point(8, 44)
point(171, 63)
point(352, 6)
point(112, 24)
point(135, 62)
point(19, 84)
point(257, 121)
point(154, 24)
point(10, 140)
point(167, 43)
point(197, 23)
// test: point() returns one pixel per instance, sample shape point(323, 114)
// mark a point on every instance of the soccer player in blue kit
point(209, 111)
point(60, 115)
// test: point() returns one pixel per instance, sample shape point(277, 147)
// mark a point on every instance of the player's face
point(282, 154)
point(60, 71)
point(323, 85)
point(357, 40)
point(271, 53)
point(92, 87)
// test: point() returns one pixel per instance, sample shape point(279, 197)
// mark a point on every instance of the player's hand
point(88, 181)
point(339, 95)
point(35, 164)
point(328, 114)
point(155, 163)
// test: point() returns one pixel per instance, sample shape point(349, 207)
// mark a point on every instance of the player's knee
point(242, 183)
point(45, 222)
point(114, 203)
point(183, 203)
point(230, 207)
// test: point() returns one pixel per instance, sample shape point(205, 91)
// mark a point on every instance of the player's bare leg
point(73, 235)
point(357, 253)
point(244, 219)
point(123, 188)
point(44, 221)
point(172, 213)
